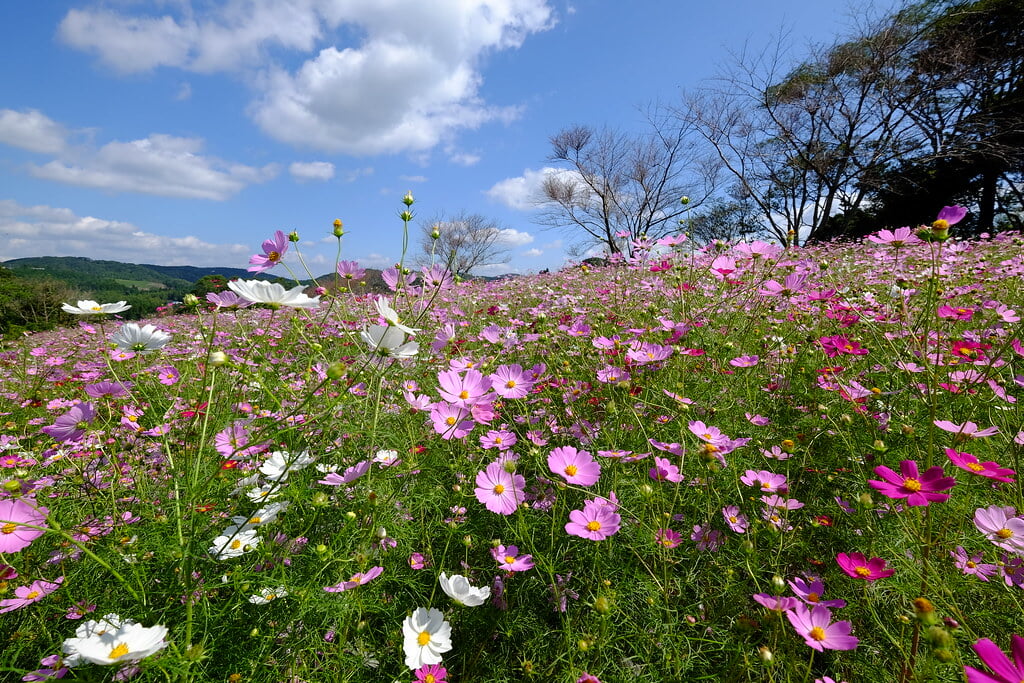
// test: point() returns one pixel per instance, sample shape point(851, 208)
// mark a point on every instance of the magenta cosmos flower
point(860, 567)
point(575, 466)
point(71, 425)
point(273, 251)
point(989, 469)
point(15, 513)
point(431, 673)
point(357, 579)
point(918, 489)
point(510, 559)
point(818, 632)
point(894, 238)
point(499, 490)
point(596, 521)
point(1003, 670)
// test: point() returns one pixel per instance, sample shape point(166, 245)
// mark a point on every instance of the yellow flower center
point(813, 597)
point(509, 559)
point(235, 544)
point(96, 308)
point(912, 485)
point(274, 256)
point(8, 528)
point(1004, 533)
point(498, 489)
point(255, 520)
point(32, 596)
point(975, 467)
point(423, 638)
point(511, 384)
point(971, 565)
point(450, 421)
point(941, 224)
point(430, 679)
point(594, 525)
point(817, 633)
point(120, 651)
point(463, 394)
point(862, 572)
point(571, 470)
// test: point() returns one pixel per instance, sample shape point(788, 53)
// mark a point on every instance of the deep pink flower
point(838, 344)
point(273, 251)
point(588, 678)
point(1003, 670)
point(431, 673)
point(918, 489)
point(596, 521)
point(894, 238)
point(664, 470)
point(860, 567)
point(810, 592)
point(499, 490)
point(357, 579)
point(510, 560)
point(954, 312)
point(15, 513)
point(818, 632)
point(668, 538)
point(26, 595)
point(952, 215)
point(575, 466)
point(988, 469)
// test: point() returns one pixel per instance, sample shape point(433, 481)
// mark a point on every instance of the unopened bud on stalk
point(407, 199)
point(339, 228)
point(293, 236)
point(435, 233)
point(765, 654)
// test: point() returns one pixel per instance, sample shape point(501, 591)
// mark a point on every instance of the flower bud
point(293, 236)
point(190, 300)
point(602, 605)
point(778, 584)
point(217, 358)
point(765, 654)
point(339, 228)
point(684, 200)
point(435, 233)
point(335, 371)
point(407, 199)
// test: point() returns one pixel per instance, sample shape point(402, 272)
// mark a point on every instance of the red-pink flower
point(989, 469)
point(1003, 670)
point(817, 630)
point(918, 489)
point(860, 567)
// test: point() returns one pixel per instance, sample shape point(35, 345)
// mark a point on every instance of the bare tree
point(462, 242)
point(615, 188)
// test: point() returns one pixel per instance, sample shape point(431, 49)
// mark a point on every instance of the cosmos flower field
point(735, 463)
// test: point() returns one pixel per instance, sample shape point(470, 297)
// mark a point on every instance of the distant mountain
point(54, 266)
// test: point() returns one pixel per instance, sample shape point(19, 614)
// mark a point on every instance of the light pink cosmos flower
point(744, 361)
point(968, 430)
point(499, 490)
point(918, 489)
point(736, 520)
point(858, 566)
point(575, 466)
point(817, 630)
point(972, 566)
point(895, 238)
point(767, 482)
point(509, 559)
point(463, 390)
point(596, 521)
point(357, 579)
point(15, 513)
point(273, 251)
point(664, 470)
point(776, 603)
point(26, 595)
point(451, 422)
point(810, 592)
point(1003, 670)
point(351, 474)
point(510, 381)
point(1001, 527)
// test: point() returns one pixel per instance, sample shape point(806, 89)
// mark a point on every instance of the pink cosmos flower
point(838, 344)
point(463, 390)
point(431, 673)
point(351, 474)
point(1001, 527)
point(767, 482)
point(588, 678)
point(596, 521)
point(15, 513)
point(818, 632)
point(350, 270)
point(1003, 670)
point(972, 566)
point(510, 381)
point(71, 425)
point(451, 422)
point(775, 603)
point(745, 361)
point(706, 538)
point(273, 251)
point(668, 538)
point(810, 592)
point(918, 489)
point(576, 467)
point(858, 566)
point(510, 560)
point(989, 469)
point(357, 579)
point(894, 238)
point(954, 312)
point(26, 595)
point(968, 430)
point(951, 215)
point(664, 470)
point(499, 490)
point(736, 520)
point(502, 439)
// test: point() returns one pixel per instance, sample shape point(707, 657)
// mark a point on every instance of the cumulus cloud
point(514, 238)
point(51, 231)
point(464, 158)
point(413, 178)
point(31, 130)
point(523, 193)
point(311, 170)
point(407, 76)
point(532, 253)
point(162, 165)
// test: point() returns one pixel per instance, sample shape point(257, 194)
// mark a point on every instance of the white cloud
point(523, 193)
point(184, 91)
point(532, 253)
point(31, 130)
point(492, 269)
point(355, 174)
point(49, 231)
point(514, 238)
point(408, 80)
point(464, 159)
point(162, 165)
point(413, 178)
point(311, 170)
point(375, 260)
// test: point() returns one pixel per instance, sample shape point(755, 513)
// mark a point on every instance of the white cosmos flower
point(391, 315)
point(273, 294)
point(90, 307)
point(143, 340)
point(390, 341)
point(234, 542)
point(267, 595)
point(112, 640)
point(280, 464)
point(265, 515)
point(458, 588)
point(427, 637)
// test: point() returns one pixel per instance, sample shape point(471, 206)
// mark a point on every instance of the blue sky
point(185, 132)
